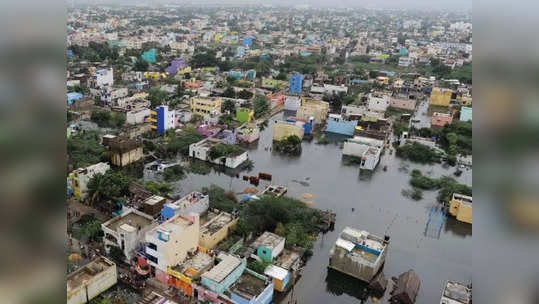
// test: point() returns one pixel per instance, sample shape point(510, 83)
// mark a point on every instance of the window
point(152, 246)
point(152, 258)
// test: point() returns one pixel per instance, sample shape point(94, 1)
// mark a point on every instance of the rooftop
point(215, 221)
point(457, 292)
point(248, 286)
point(86, 273)
point(194, 265)
point(268, 240)
point(227, 264)
point(361, 243)
point(133, 218)
point(287, 258)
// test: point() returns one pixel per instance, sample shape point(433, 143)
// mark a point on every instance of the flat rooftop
point(361, 244)
point(154, 199)
point(193, 265)
point(248, 286)
point(87, 272)
point(457, 292)
point(287, 258)
point(189, 199)
point(268, 240)
point(215, 221)
point(132, 219)
point(220, 271)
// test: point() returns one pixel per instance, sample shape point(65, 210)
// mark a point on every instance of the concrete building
point(368, 149)
point(292, 103)
point(308, 124)
point(125, 152)
point(441, 119)
point(127, 231)
point(244, 115)
point(456, 293)
point(296, 83)
point(378, 102)
point(268, 246)
point(251, 288)
point(465, 114)
point(440, 97)
point(248, 133)
point(358, 254)
point(228, 270)
point(201, 150)
point(313, 108)
point(338, 125)
point(279, 276)
point(403, 102)
point(79, 178)
point(460, 207)
point(162, 119)
point(204, 106)
point(89, 281)
point(333, 89)
point(169, 243)
point(102, 78)
point(406, 61)
point(184, 275)
point(194, 202)
point(215, 227)
point(283, 129)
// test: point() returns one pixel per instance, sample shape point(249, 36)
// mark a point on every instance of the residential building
point(73, 96)
point(215, 226)
point(162, 119)
point(125, 151)
point(204, 106)
point(358, 254)
point(456, 293)
point(290, 260)
point(102, 78)
point(193, 203)
point(251, 288)
point(184, 275)
point(403, 102)
point(292, 103)
point(283, 129)
point(406, 61)
point(460, 207)
point(91, 280)
point(465, 114)
point(279, 276)
point(228, 270)
point(248, 133)
point(244, 114)
point(378, 102)
point(333, 89)
point(337, 124)
point(268, 246)
point(296, 83)
point(169, 243)
point(271, 83)
point(441, 119)
point(127, 231)
point(201, 150)
point(307, 123)
point(367, 149)
point(313, 108)
point(440, 97)
point(79, 178)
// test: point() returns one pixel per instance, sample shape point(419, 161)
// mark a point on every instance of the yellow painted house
point(217, 37)
point(184, 70)
point(440, 97)
point(273, 83)
point(204, 105)
point(284, 129)
point(217, 228)
point(313, 108)
point(154, 75)
point(460, 207)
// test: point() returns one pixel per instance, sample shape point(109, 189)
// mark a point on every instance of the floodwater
point(379, 207)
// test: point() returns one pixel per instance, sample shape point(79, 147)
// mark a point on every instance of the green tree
point(157, 97)
point(91, 229)
point(260, 105)
point(228, 106)
point(229, 92)
point(109, 186)
point(244, 94)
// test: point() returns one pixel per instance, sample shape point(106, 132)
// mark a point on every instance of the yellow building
point(460, 206)
point(464, 100)
point(154, 75)
point(185, 70)
point(217, 37)
point(216, 228)
point(79, 178)
point(284, 129)
point(203, 106)
point(273, 83)
point(440, 97)
point(125, 152)
point(313, 108)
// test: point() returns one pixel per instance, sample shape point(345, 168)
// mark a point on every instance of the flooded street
point(379, 208)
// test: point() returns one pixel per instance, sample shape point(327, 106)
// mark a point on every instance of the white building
point(333, 89)
point(101, 78)
point(378, 102)
point(91, 280)
point(192, 203)
point(79, 178)
point(406, 61)
point(127, 231)
point(292, 103)
point(368, 149)
point(201, 150)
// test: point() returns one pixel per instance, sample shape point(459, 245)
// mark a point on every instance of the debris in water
point(250, 190)
point(405, 288)
point(307, 196)
point(305, 184)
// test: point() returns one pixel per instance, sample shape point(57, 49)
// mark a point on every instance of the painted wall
point(440, 97)
point(284, 129)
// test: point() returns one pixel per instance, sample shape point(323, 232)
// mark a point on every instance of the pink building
point(441, 119)
point(402, 103)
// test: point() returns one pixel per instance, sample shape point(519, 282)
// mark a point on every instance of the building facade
point(296, 83)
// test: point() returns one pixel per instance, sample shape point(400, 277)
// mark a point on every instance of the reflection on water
point(338, 284)
point(458, 228)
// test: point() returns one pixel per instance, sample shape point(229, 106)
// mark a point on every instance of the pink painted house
point(441, 119)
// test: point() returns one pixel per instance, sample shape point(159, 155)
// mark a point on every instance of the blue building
point(337, 124)
point(465, 114)
point(296, 83)
point(403, 51)
point(73, 96)
point(240, 52)
point(252, 288)
point(307, 124)
point(248, 41)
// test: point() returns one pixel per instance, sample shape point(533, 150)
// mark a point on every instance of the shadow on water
point(338, 283)
point(457, 228)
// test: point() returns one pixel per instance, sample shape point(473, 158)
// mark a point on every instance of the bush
point(418, 152)
point(180, 143)
point(173, 173)
point(258, 266)
point(106, 119)
point(220, 150)
point(289, 145)
point(84, 149)
point(220, 199)
point(445, 185)
point(157, 188)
